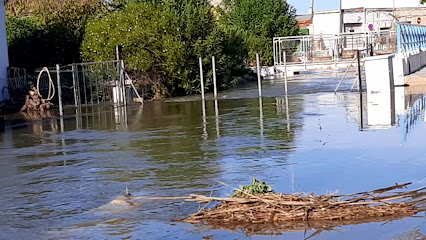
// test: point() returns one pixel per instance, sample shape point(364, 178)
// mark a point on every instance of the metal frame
point(332, 48)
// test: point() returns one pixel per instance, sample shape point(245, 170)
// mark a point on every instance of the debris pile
point(35, 102)
point(292, 209)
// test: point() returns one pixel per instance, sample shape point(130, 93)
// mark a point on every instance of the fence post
point(304, 53)
point(359, 71)
point(84, 84)
point(201, 78)
point(285, 73)
point(74, 84)
point(58, 79)
point(273, 50)
point(214, 77)
point(123, 82)
point(259, 82)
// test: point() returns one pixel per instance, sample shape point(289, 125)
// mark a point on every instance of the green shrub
point(166, 38)
point(257, 187)
point(257, 22)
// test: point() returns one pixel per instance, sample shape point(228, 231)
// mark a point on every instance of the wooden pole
point(214, 77)
point(259, 82)
point(58, 78)
point(201, 78)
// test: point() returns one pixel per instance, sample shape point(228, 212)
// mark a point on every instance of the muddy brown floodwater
point(59, 183)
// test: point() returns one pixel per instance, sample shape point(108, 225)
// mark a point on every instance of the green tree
point(165, 39)
point(46, 32)
point(257, 22)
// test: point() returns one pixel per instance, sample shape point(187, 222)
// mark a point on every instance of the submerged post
point(201, 78)
point(58, 78)
point(74, 84)
point(214, 77)
point(259, 82)
point(360, 91)
point(123, 82)
point(285, 73)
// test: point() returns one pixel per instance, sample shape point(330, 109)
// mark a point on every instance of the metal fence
point(410, 37)
point(99, 82)
point(80, 83)
point(323, 48)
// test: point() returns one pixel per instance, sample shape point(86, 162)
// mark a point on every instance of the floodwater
point(57, 177)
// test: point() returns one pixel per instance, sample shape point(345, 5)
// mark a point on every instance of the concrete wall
point(348, 4)
point(391, 69)
point(4, 59)
point(326, 22)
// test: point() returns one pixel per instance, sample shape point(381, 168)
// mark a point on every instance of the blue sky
point(302, 6)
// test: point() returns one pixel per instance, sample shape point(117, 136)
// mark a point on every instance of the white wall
point(326, 22)
point(4, 59)
point(348, 4)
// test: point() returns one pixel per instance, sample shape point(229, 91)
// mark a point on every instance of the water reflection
point(296, 143)
point(216, 111)
point(401, 107)
point(205, 134)
point(261, 116)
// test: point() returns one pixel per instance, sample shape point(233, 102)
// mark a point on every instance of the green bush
point(166, 38)
point(33, 45)
point(257, 187)
point(47, 32)
point(257, 22)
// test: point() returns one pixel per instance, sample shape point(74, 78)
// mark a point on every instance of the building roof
point(304, 17)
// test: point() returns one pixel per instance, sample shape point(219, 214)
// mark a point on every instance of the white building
point(4, 59)
point(378, 15)
point(325, 22)
point(351, 4)
point(367, 15)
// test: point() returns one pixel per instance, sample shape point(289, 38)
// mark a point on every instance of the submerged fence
point(323, 48)
point(79, 83)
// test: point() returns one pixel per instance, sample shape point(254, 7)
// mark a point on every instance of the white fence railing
point(322, 48)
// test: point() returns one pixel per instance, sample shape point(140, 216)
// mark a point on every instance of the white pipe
point(214, 77)
point(285, 74)
point(201, 78)
point(58, 78)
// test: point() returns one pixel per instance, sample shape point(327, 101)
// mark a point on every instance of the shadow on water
point(56, 173)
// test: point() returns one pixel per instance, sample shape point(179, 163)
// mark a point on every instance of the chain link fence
point(80, 83)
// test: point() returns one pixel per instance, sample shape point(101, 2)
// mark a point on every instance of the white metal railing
point(322, 48)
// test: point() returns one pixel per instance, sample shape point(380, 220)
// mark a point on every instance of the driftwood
point(35, 102)
point(272, 212)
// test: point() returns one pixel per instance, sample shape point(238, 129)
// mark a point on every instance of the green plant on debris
point(257, 187)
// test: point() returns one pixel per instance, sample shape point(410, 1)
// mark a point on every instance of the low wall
point(392, 69)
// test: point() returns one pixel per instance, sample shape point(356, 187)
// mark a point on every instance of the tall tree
point(257, 22)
